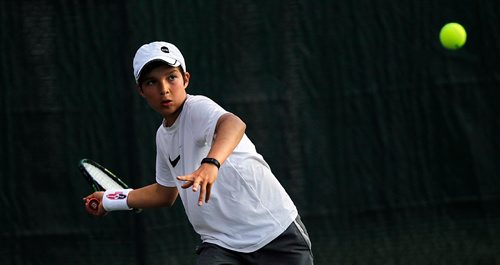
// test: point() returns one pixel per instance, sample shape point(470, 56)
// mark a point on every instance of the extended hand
point(204, 178)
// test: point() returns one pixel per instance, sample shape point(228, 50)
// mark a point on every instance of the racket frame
point(96, 186)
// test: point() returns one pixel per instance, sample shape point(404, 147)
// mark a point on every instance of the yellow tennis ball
point(452, 36)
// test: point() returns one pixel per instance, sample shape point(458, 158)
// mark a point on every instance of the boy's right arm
point(151, 196)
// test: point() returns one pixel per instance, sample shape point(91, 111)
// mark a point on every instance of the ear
point(186, 79)
point(139, 90)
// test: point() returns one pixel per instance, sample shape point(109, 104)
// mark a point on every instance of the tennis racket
point(100, 179)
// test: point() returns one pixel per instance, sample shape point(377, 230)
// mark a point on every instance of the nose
point(164, 88)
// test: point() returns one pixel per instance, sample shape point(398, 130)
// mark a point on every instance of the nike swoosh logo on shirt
point(175, 161)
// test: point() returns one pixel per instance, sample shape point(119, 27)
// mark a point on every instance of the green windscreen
point(388, 143)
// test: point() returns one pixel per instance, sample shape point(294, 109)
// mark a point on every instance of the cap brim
point(169, 61)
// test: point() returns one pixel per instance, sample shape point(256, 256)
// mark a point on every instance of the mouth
point(166, 103)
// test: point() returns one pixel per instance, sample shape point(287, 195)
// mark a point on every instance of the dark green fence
point(388, 143)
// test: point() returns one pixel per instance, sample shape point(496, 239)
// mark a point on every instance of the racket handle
point(93, 204)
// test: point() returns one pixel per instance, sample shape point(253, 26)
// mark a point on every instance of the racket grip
point(93, 204)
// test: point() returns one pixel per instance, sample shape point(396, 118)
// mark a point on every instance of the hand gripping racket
point(100, 179)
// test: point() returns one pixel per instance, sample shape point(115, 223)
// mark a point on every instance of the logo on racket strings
point(116, 196)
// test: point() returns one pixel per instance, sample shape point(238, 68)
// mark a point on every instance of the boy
point(232, 199)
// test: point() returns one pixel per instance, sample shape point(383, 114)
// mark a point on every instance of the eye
point(149, 82)
point(172, 77)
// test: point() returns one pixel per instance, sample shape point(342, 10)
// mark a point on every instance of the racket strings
point(101, 177)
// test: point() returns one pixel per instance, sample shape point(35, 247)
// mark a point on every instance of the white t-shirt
point(248, 207)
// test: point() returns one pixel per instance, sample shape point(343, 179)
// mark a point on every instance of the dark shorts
point(292, 247)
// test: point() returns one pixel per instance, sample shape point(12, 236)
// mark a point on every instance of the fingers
point(197, 183)
point(188, 181)
point(191, 181)
point(93, 205)
point(203, 191)
point(207, 195)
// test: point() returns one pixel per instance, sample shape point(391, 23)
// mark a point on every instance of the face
point(164, 88)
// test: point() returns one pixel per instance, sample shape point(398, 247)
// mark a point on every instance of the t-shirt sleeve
point(204, 116)
point(163, 175)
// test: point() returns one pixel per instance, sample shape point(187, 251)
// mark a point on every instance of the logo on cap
point(164, 49)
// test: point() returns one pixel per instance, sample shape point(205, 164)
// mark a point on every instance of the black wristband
point(212, 161)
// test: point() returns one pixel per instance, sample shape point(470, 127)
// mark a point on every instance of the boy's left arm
point(228, 133)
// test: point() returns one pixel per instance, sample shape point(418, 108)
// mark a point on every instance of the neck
point(170, 120)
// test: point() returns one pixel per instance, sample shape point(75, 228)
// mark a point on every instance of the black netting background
point(388, 143)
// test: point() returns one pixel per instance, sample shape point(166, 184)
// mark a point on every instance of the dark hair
point(152, 65)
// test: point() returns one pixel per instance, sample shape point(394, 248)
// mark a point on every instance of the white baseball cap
point(157, 51)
